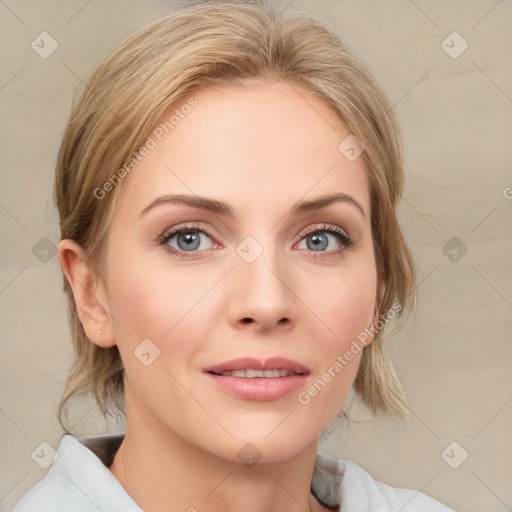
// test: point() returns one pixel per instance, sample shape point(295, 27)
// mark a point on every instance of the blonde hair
point(226, 43)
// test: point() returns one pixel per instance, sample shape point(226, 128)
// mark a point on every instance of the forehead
point(262, 146)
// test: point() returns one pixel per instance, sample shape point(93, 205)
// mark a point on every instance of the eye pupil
point(319, 241)
point(192, 240)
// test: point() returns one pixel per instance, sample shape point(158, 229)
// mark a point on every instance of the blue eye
point(187, 239)
point(318, 239)
point(193, 239)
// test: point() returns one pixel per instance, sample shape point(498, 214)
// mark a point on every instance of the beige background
point(453, 357)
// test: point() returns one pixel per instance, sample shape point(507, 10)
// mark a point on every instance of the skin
point(260, 150)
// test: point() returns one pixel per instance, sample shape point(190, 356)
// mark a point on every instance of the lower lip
point(259, 388)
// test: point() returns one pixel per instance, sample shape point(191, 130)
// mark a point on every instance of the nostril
point(247, 320)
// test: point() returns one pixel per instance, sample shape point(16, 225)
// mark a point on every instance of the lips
point(258, 379)
point(252, 374)
point(249, 367)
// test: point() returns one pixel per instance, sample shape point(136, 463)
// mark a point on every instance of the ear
point(89, 292)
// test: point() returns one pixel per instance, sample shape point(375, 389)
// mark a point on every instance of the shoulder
point(79, 480)
point(342, 483)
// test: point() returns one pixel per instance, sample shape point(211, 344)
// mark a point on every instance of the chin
point(257, 445)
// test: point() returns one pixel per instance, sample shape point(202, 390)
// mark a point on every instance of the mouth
point(251, 367)
point(259, 379)
point(253, 374)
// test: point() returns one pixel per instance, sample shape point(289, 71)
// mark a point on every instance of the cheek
point(346, 304)
point(346, 309)
point(351, 313)
point(168, 306)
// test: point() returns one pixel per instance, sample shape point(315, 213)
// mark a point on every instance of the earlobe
point(89, 293)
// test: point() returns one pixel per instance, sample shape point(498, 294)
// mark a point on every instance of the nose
point(262, 294)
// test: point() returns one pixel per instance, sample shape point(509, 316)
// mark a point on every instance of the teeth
point(251, 374)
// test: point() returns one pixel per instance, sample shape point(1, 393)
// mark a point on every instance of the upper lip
point(251, 363)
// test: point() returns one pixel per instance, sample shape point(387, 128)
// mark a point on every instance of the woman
point(227, 186)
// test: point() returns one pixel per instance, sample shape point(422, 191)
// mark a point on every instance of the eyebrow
point(223, 208)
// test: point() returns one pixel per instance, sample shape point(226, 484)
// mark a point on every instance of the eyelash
point(346, 241)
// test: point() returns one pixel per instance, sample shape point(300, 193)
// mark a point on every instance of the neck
point(161, 471)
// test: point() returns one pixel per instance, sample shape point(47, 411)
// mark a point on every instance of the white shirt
point(79, 481)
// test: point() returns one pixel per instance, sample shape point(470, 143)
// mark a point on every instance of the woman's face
point(240, 290)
